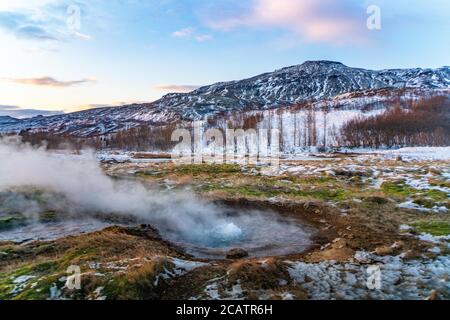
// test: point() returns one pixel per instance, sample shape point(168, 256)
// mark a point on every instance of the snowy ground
point(414, 153)
point(407, 154)
point(423, 173)
point(399, 279)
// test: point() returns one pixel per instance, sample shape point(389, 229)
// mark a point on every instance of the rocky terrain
point(382, 211)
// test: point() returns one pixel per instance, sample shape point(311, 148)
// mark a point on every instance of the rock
point(352, 173)
point(408, 255)
point(398, 245)
point(144, 230)
point(400, 158)
point(384, 251)
point(377, 200)
point(363, 257)
point(237, 253)
point(434, 296)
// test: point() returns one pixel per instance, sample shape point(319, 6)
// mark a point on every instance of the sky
point(69, 55)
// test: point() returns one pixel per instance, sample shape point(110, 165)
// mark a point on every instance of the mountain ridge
point(310, 81)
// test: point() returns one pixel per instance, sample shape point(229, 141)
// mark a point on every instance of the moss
point(11, 221)
point(149, 173)
point(43, 273)
point(192, 169)
point(311, 180)
point(435, 228)
point(76, 256)
point(376, 200)
point(437, 195)
point(47, 274)
point(196, 169)
point(40, 290)
point(48, 216)
point(5, 290)
point(139, 284)
point(397, 189)
point(40, 197)
point(270, 192)
point(426, 203)
point(432, 198)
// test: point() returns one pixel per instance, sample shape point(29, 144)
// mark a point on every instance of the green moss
point(207, 168)
point(47, 274)
point(437, 195)
point(40, 290)
point(43, 273)
point(431, 198)
point(397, 189)
point(140, 284)
point(40, 197)
point(400, 189)
point(48, 216)
point(311, 180)
point(11, 221)
point(435, 228)
point(193, 169)
point(149, 173)
point(266, 191)
point(426, 203)
point(76, 256)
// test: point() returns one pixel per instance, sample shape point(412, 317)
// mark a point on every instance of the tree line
point(422, 123)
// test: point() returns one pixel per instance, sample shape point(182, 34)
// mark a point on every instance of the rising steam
point(82, 182)
point(77, 184)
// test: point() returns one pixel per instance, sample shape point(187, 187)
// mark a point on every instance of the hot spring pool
point(260, 233)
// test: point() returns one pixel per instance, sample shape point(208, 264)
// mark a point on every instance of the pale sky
point(124, 51)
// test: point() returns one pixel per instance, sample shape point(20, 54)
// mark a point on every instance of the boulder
point(237, 253)
point(385, 251)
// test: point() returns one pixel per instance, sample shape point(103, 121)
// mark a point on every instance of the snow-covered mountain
point(312, 81)
point(5, 120)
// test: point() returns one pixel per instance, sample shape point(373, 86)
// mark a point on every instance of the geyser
point(204, 229)
point(260, 232)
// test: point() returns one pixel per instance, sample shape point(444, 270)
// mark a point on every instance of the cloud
point(41, 20)
point(204, 37)
point(24, 4)
point(81, 36)
point(174, 88)
point(191, 33)
point(25, 26)
point(35, 33)
point(50, 82)
point(19, 113)
point(312, 20)
point(184, 33)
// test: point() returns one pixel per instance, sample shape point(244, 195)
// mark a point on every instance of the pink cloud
point(313, 20)
point(51, 82)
